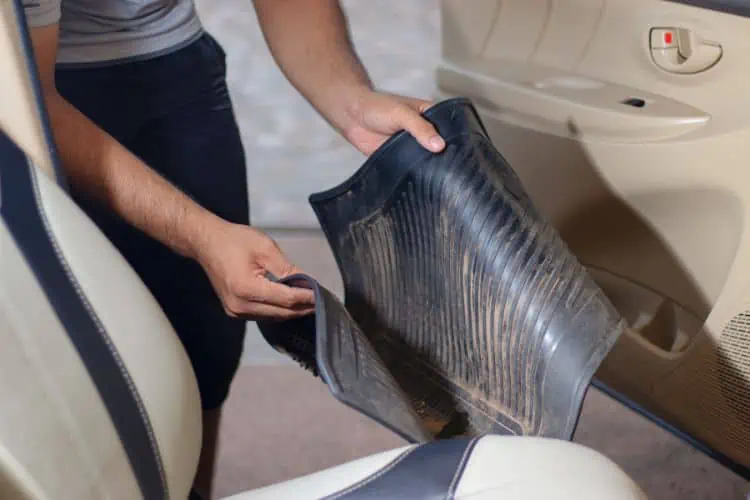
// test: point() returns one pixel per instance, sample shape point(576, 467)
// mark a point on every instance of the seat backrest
point(99, 398)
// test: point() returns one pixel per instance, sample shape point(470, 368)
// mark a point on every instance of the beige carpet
point(281, 423)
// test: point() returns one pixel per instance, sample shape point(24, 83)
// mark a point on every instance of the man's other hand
point(375, 116)
point(237, 259)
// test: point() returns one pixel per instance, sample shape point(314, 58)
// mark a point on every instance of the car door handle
point(681, 51)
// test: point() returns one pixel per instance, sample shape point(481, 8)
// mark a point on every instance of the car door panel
point(628, 123)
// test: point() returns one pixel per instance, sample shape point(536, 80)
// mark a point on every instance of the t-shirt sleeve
point(42, 12)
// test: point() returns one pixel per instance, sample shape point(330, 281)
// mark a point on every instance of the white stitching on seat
point(459, 470)
point(99, 325)
point(371, 478)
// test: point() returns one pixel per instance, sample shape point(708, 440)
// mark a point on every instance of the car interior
point(620, 117)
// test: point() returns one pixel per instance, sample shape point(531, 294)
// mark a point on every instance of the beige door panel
point(491, 30)
point(642, 169)
point(555, 101)
point(19, 113)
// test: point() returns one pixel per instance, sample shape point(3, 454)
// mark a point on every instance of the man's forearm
point(309, 39)
point(100, 167)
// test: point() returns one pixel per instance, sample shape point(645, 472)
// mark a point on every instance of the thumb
point(277, 266)
point(424, 132)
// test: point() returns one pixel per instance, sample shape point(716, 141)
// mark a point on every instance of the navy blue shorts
point(175, 113)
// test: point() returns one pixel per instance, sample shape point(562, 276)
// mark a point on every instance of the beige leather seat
point(99, 401)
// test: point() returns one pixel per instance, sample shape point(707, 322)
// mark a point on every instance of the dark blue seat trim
point(430, 471)
point(31, 67)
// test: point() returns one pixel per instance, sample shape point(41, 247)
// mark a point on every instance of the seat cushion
point(490, 467)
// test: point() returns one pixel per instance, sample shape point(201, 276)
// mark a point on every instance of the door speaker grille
point(734, 364)
point(707, 395)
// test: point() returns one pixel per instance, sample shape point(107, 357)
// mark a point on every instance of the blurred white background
point(291, 151)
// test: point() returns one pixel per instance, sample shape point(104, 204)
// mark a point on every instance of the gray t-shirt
point(98, 32)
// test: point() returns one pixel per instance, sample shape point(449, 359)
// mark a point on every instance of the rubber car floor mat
point(472, 302)
point(331, 345)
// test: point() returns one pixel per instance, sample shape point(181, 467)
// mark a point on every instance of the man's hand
point(375, 116)
point(310, 41)
point(237, 259)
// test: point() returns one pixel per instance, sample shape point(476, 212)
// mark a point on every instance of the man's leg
point(186, 130)
point(204, 479)
point(198, 147)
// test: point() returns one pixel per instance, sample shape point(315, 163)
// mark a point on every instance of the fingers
point(275, 263)
point(265, 288)
point(271, 313)
point(243, 267)
point(256, 311)
point(268, 290)
point(277, 300)
point(276, 294)
point(410, 119)
point(264, 291)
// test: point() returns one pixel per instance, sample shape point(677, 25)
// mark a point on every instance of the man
point(145, 128)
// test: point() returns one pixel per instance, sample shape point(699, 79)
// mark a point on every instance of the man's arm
point(102, 168)
point(309, 39)
point(235, 257)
